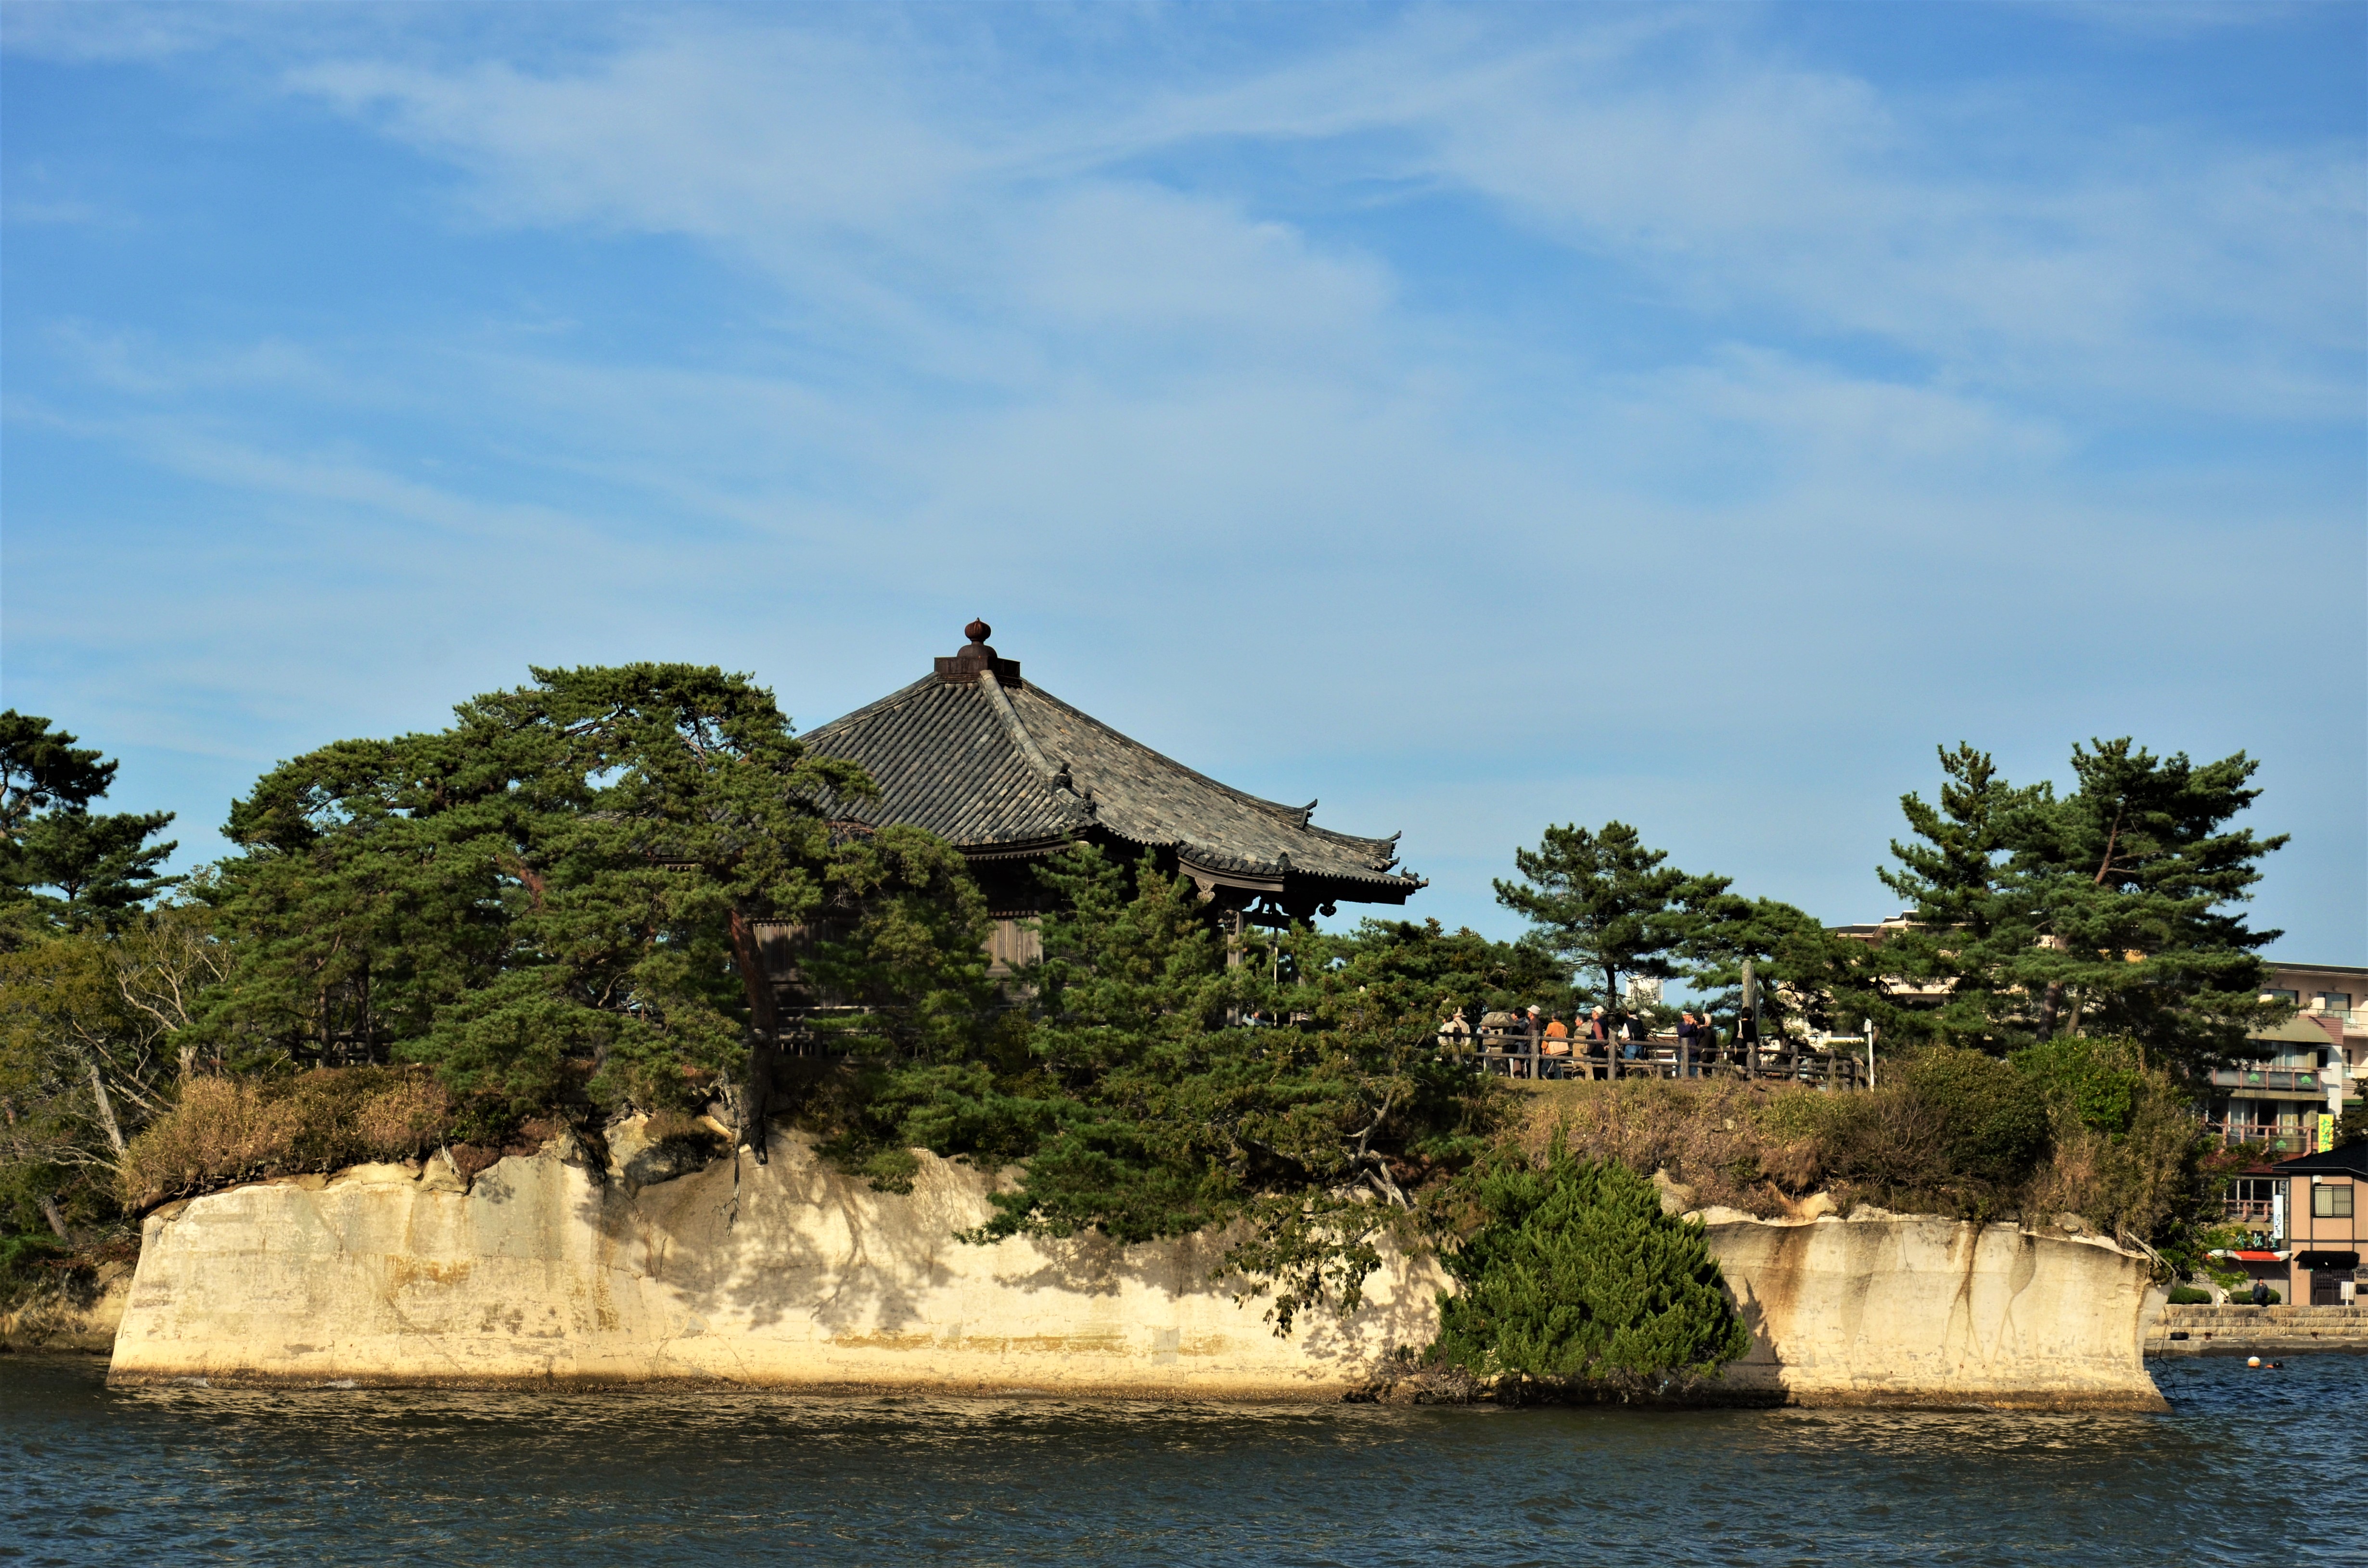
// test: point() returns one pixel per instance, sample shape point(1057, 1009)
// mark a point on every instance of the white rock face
point(786, 1273)
point(1910, 1310)
point(790, 1274)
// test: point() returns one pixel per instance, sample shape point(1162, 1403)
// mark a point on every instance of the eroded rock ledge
point(545, 1270)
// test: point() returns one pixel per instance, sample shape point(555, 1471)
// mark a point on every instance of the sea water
point(2248, 1466)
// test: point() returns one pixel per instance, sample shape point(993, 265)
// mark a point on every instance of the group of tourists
point(1536, 1042)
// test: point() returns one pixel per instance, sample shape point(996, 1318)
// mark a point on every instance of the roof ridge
point(997, 699)
point(1056, 779)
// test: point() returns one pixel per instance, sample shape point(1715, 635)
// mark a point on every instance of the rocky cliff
point(786, 1273)
point(1919, 1310)
point(77, 1316)
point(546, 1269)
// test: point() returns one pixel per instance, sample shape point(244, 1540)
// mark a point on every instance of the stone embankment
point(549, 1269)
point(2256, 1331)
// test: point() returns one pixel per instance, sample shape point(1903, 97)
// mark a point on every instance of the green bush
point(2127, 1151)
point(2099, 1082)
point(1950, 1132)
point(1991, 1126)
point(2189, 1296)
point(1575, 1276)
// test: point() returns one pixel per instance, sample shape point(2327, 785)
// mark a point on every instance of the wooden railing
point(1515, 1055)
point(2280, 1141)
point(2306, 1080)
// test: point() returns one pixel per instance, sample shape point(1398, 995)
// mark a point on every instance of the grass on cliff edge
point(2076, 1126)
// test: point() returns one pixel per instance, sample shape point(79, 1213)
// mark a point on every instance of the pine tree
point(1605, 905)
point(1973, 931)
point(1800, 969)
point(2133, 880)
point(559, 891)
point(1148, 1090)
point(1576, 1276)
point(2109, 911)
point(61, 864)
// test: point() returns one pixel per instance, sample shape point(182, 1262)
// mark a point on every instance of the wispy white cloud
point(893, 185)
point(1202, 370)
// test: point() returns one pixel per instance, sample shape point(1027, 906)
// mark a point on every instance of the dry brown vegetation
point(229, 1129)
point(1953, 1134)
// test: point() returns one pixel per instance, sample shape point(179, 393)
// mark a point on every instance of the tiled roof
point(988, 765)
point(2351, 1159)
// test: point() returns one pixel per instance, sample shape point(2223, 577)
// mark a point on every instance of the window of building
point(2335, 1001)
point(2330, 1203)
point(2288, 998)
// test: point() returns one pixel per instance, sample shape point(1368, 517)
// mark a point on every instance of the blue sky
point(1474, 417)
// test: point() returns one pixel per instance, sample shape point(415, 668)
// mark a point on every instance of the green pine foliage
point(1803, 972)
point(2135, 877)
point(2109, 911)
point(92, 986)
point(557, 897)
point(1150, 1088)
point(61, 865)
point(1575, 1276)
point(1604, 904)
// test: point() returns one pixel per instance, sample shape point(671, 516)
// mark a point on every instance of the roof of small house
point(996, 764)
point(2351, 1159)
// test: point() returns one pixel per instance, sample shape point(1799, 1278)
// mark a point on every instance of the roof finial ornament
point(966, 667)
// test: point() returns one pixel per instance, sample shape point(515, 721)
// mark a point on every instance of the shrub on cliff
point(1953, 1131)
point(1575, 1276)
point(229, 1129)
point(2079, 1125)
point(2127, 1151)
point(1717, 1136)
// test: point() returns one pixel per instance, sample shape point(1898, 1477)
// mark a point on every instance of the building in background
point(2300, 1071)
point(2322, 1204)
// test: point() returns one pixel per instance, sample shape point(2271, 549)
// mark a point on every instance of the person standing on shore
point(1455, 1035)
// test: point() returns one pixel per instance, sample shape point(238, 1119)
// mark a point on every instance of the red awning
point(2259, 1256)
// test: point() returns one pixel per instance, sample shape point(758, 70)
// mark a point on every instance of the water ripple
point(2249, 1467)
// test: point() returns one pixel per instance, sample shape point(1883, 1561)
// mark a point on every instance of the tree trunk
point(106, 1106)
point(57, 1220)
point(2051, 1002)
point(763, 1036)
